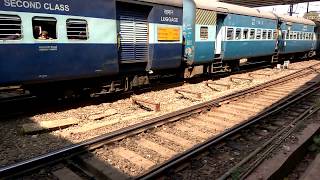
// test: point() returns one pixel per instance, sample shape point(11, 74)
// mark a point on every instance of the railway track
point(237, 154)
point(13, 102)
point(151, 147)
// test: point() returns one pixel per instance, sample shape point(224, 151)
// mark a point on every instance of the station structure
point(259, 3)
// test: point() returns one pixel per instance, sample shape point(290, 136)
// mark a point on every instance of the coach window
point(288, 35)
point(291, 35)
point(304, 36)
point(44, 28)
point(295, 35)
point(10, 27)
point(269, 34)
point(264, 34)
point(204, 33)
point(258, 34)
point(252, 33)
point(299, 35)
point(77, 29)
point(245, 33)
point(230, 34)
point(238, 34)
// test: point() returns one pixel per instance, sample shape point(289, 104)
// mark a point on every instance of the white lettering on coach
point(169, 12)
point(36, 5)
point(169, 19)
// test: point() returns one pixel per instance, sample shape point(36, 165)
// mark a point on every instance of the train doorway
point(220, 33)
point(133, 32)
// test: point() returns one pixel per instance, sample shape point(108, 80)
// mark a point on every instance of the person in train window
point(44, 35)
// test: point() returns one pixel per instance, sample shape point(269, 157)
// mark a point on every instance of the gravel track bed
point(14, 146)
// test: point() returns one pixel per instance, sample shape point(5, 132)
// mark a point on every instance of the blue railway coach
point(226, 33)
point(120, 44)
point(296, 37)
point(54, 40)
point(78, 43)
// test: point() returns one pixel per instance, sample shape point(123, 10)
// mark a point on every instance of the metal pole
point(291, 10)
point(308, 7)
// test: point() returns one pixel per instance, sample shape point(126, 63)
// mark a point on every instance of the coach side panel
point(247, 37)
point(81, 41)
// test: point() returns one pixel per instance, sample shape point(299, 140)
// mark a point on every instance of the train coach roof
point(296, 20)
point(235, 9)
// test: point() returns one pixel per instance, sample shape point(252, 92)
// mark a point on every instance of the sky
point(299, 9)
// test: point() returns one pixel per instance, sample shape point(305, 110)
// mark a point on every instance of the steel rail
point(11, 101)
point(59, 155)
point(153, 173)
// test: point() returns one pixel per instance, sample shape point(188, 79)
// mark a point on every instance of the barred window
point(295, 35)
point(269, 34)
point(304, 36)
point(264, 34)
point(204, 33)
point(77, 29)
point(252, 33)
point(246, 34)
point(259, 33)
point(10, 27)
point(238, 34)
point(291, 35)
point(230, 34)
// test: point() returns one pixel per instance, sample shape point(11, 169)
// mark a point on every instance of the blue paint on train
point(204, 52)
point(41, 62)
point(293, 46)
point(297, 27)
point(88, 8)
point(247, 49)
point(236, 20)
point(166, 15)
point(165, 56)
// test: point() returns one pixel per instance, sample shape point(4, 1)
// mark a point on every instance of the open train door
point(133, 42)
point(221, 15)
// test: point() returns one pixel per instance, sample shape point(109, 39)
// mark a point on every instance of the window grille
point(77, 29)
point(230, 34)
point(10, 27)
point(252, 33)
point(238, 34)
point(246, 34)
point(258, 34)
point(270, 34)
point(204, 33)
point(264, 34)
